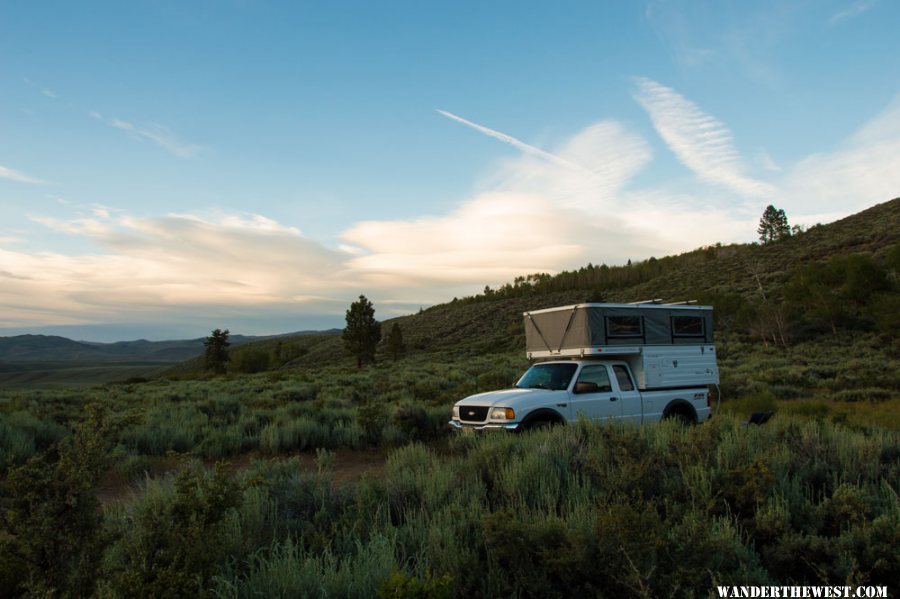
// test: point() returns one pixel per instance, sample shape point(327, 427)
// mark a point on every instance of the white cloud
point(146, 264)
point(531, 213)
point(862, 171)
point(157, 134)
point(610, 155)
point(535, 215)
point(854, 9)
point(490, 238)
point(700, 141)
point(13, 175)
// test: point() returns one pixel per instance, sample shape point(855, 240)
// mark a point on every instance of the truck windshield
point(547, 376)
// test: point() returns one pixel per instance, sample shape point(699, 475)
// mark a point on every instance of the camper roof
point(651, 304)
point(580, 329)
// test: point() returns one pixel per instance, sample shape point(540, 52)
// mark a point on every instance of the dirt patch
point(347, 466)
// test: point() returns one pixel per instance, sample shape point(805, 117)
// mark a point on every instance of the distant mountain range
point(51, 349)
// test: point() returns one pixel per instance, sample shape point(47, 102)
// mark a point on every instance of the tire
point(538, 425)
point(681, 418)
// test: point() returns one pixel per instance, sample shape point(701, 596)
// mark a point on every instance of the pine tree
point(362, 332)
point(216, 356)
point(395, 342)
point(773, 225)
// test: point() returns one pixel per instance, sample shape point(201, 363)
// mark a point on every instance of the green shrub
point(22, 435)
point(372, 417)
point(170, 541)
point(403, 586)
point(287, 570)
point(250, 360)
point(298, 434)
point(866, 394)
point(50, 528)
point(808, 409)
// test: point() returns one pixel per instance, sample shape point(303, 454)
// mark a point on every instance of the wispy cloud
point(528, 213)
point(585, 171)
point(49, 93)
point(516, 143)
point(767, 162)
point(13, 175)
point(692, 57)
point(855, 9)
point(700, 141)
point(862, 171)
point(157, 134)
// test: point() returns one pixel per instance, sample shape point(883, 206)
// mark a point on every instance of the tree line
point(361, 336)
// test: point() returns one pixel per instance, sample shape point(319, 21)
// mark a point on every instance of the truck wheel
point(681, 418)
point(538, 425)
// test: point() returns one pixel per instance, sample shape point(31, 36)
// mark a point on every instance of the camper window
point(687, 326)
point(624, 326)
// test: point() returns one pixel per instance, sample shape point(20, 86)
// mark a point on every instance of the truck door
point(592, 394)
point(629, 397)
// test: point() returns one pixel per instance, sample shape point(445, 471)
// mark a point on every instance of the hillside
point(492, 322)
point(28, 361)
point(293, 415)
point(484, 324)
point(49, 348)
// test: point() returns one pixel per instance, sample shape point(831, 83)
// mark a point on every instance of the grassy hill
point(48, 361)
point(492, 322)
point(584, 510)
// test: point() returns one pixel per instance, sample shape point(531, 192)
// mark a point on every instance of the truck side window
point(596, 374)
point(623, 378)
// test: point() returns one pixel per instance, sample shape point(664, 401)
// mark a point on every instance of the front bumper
point(490, 426)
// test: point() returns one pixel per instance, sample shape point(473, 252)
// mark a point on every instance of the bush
point(867, 394)
point(403, 586)
point(170, 542)
point(50, 521)
point(22, 435)
point(250, 360)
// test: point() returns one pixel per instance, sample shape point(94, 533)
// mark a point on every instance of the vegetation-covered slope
point(808, 499)
point(730, 277)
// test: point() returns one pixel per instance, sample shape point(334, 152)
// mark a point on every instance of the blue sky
point(170, 167)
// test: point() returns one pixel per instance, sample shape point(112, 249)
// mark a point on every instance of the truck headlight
point(456, 412)
point(503, 414)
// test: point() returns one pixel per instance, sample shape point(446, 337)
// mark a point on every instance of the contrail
point(515, 142)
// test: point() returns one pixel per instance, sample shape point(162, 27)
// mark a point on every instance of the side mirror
point(586, 387)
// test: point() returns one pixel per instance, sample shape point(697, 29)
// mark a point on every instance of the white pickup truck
point(629, 363)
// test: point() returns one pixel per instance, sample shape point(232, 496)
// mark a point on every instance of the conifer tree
point(362, 332)
point(773, 225)
point(216, 356)
point(395, 342)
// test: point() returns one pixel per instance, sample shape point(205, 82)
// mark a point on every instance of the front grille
point(473, 413)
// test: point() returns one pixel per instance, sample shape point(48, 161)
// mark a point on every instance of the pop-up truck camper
point(638, 363)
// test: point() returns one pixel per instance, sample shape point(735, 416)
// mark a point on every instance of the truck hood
point(514, 398)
